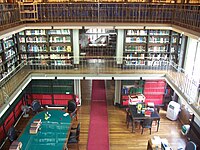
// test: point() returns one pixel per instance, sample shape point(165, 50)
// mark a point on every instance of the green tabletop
point(52, 134)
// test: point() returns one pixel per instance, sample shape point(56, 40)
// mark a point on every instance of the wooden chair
point(147, 123)
point(73, 140)
point(12, 134)
point(36, 106)
point(129, 118)
point(190, 146)
point(76, 126)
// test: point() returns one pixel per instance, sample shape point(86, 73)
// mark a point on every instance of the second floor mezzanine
point(185, 86)
point(186, 16)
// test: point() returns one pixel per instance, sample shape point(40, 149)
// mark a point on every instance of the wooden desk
point(52, 135)
point(135, 116)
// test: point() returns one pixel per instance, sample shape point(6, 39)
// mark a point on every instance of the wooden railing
point(184, 15)
point(9, 16)
point(186, 86)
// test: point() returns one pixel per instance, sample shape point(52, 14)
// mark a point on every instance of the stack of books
point(16, 145)
point(147, 113)
point(35, 126)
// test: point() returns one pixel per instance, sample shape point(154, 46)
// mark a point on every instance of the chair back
point(71, 106)
point(78, 131)
point(147, 123)
point(12, 135)
point(73, 114)
point(190, 146)
point(36, 106)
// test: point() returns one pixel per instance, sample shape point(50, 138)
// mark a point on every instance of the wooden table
point(139, 116)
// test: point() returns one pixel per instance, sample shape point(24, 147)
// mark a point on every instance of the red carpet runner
point(98, 136)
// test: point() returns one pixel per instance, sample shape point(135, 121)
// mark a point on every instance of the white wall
point(192, 69)
point(191, 51)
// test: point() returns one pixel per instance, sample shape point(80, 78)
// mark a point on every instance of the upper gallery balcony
point(185, 16)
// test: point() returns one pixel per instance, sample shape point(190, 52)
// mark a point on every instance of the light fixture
point(129, 27)
point(127, 78)
point(75, 78)
point(99, 27)
point(45, 77)
point(159, 27)
point(153, 78)
point(38, 27)
point(67, 27)
point(98, 78)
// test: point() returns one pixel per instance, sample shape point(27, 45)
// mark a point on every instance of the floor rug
point(98, 136)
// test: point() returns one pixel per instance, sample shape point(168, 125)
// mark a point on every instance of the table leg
point(133, 125)
point(158, 124)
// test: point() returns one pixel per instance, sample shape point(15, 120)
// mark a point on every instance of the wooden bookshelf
point(46, 46)
point(9, 57)
point(150, 47)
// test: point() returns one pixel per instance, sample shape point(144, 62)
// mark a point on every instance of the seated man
point(72, 109)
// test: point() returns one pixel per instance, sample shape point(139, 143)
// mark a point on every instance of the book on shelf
point(137, 32)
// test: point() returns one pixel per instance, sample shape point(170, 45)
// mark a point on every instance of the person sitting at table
point(72, 109)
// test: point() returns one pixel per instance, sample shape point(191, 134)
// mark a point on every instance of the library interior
point(100, 74)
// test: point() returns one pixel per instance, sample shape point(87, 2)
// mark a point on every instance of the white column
point(117, 92)
point(77, 89)
point(76, 50)
point(120, 46)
